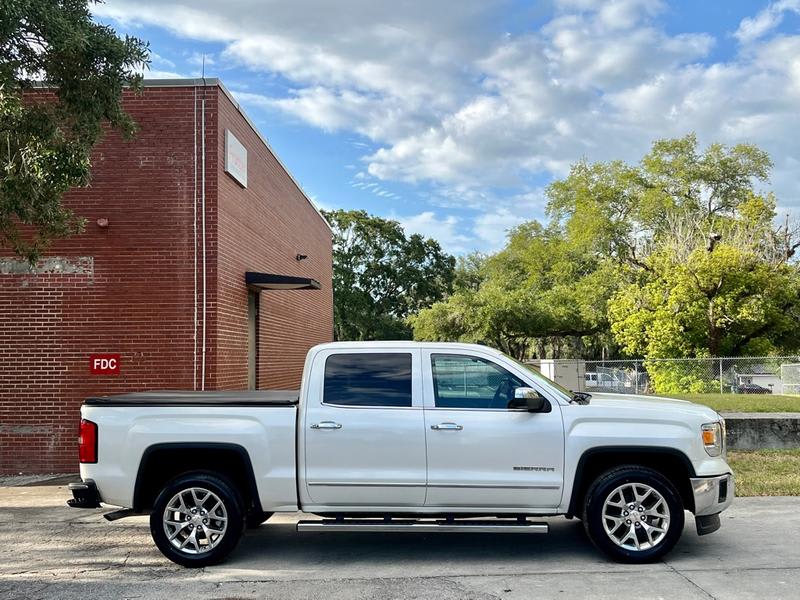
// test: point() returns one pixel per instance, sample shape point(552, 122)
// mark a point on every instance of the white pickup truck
point(404, 436)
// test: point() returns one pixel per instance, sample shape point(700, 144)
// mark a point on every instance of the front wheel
point(197, 519)
point(633, 514)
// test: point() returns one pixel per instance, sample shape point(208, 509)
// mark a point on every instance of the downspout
point(203, 208)
point(194, 222)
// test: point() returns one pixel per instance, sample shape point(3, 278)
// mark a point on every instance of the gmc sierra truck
point(405, 436)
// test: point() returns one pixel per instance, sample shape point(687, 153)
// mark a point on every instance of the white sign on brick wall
point(235, 158)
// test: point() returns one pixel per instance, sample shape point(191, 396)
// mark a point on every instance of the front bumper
point(84, 495)
point(712, 495)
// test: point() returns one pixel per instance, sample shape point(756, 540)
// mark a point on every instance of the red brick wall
point(138, 298)
point(262, 228)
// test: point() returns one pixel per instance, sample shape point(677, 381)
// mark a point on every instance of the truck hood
point(631, 402)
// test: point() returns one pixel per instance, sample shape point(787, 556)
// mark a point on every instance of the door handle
point(326, 425)
point(447, 426)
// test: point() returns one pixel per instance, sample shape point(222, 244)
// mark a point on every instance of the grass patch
point(744, 402)
point(766, 472)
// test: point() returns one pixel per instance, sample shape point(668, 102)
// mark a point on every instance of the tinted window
point(368, 380)
point(469, 382)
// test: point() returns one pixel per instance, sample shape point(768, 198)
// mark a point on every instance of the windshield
point(564, 392)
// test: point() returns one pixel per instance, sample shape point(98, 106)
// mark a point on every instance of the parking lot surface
point(48, 550)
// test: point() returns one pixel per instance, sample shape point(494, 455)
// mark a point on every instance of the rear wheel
point(197, 519)
point(633, 514)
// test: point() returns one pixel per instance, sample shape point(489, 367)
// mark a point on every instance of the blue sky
point(452, 117)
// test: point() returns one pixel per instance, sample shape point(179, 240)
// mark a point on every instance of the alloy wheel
point(636, 516)
point(195, 520)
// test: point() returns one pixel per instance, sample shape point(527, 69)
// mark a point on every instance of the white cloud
point(198, 59)
point(150, 72)
point(445, 98)
point(444, 230)
point(752, 28)
point(493, 227)
point(158, 74)
point(537, 110)
point(158, 60)
point(488, 231)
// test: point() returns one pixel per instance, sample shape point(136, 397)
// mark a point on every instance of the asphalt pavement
point(48, 550)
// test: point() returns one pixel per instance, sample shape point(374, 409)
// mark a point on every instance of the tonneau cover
point(190, 398)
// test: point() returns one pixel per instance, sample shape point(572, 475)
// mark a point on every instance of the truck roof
point(405, 344)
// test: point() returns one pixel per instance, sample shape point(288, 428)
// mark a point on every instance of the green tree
point(538, 293)
point(469, 271)
point(46, 136)
point(677, 256)
point(704, 269)
point(721, 299)
point(381, 276)
point(624, 212)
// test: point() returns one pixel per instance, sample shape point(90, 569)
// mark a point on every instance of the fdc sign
point(104, 364)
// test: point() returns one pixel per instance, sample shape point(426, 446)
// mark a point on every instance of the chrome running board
point(410, 525)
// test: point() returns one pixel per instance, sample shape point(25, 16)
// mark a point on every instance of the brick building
point(203, 266)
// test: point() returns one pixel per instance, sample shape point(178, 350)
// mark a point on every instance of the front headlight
point(712, 438)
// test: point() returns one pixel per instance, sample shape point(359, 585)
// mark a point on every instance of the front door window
point(471, 382)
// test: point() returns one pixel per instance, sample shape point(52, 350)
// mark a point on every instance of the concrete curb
point(763, 431)
point(36, 480)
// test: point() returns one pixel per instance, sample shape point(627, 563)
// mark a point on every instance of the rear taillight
point(87, 442)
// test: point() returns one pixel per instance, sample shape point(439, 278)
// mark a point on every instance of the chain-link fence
point(741, 375)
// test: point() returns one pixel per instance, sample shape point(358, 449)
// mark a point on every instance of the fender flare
point(218, 446)
point(633, 451)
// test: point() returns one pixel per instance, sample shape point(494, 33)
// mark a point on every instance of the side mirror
point(530, 399)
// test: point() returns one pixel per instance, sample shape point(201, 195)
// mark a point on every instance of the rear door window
point(368, 379)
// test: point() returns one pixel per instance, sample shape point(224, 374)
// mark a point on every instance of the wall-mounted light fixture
point(301, 257)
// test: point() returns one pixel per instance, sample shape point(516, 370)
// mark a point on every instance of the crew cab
point(405, 436)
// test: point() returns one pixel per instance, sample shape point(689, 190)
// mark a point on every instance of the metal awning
point(270, 281)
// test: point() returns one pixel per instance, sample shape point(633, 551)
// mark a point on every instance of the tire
point(655, 523)
point(202, 545)
point(255, 518)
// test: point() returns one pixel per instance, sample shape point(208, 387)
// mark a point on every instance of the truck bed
point(190, 398)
